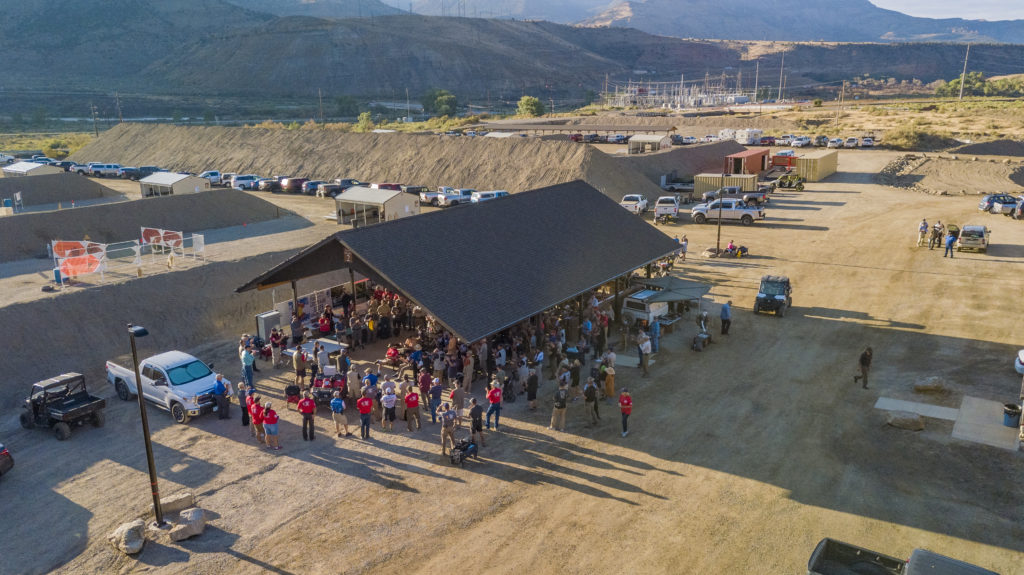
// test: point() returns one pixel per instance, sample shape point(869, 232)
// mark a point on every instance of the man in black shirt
point(476, 416)
point(865, 367)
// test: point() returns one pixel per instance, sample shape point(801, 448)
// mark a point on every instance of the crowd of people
point(431, 371)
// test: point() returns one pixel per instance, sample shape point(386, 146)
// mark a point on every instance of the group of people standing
point(936, 235)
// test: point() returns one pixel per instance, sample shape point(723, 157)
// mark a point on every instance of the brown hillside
point(54, 188)
point(513, 164)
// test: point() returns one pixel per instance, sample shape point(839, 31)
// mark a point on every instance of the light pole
point(135, 331)
point(718, 244)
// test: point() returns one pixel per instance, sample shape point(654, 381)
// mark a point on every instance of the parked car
point(478, 197)
point(976, 238)
point(433, 197)
point(835, 143)
point(455, 196)
point(617, 139)
point(867, 142)
point(104, 170)
point(128, 173)
point(415, 190)
point(138, 173)
point(347, 183)
point(736, 193)
point(214, 176)
point(395, 187)
point(268, 185)
point(988, 202)
point(767, 141)
point(309, 188)
point(730, 210)
point(65, 165)
point(173, 381)
point(592, 139)
point(328, 190)
point(800, 142)
point(1007, 208)
point(7, 159)
point(666, 208)
point(6, 460)
point(774, 294)
point(832, 556)
point(575, 137)
point(785, 140)
point(293, 185)
point(245, 182)
point(821, 141)
point(851, 143)
point(61, 403)
point(636, 203)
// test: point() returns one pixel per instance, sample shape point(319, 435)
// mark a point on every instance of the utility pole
point(320, 95)
point(757, 74)
point(95, 127)
point(408, 106)
point(785, 82)
point(781, 70)
point(117, 102)
point(963, 75)
point(842, 96)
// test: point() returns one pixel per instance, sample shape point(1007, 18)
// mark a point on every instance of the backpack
point(561, 397)
point(590, 393)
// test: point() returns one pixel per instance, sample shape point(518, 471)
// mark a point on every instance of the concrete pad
point(936, 411)
point(981, 421)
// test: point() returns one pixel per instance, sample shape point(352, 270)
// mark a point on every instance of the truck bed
point(76, 406)
point(833, 557)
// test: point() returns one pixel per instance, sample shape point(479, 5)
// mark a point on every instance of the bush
point(530, 106)
point(818, 102)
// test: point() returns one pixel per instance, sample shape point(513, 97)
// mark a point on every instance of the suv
point(293, 185)
point(974, 238)
point(821, 141)
point(478, 197)
point(987, 203)
point(245, 182)
point(102, 170)
point(775, 294)
point(835, 143)
point(61, 402)
point(851, 143)
point(309, 188)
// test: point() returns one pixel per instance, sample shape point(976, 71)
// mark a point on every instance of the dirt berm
point(54, 188)
point(26, 235)
point(513, 164)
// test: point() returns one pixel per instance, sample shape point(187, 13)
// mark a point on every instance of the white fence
point(157, 249)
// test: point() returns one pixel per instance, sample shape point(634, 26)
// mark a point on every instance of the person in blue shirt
point(950, 240)
point(370, 378)
point(221, 393)
point(338, 414)
point(726, 317)
point(655, 334)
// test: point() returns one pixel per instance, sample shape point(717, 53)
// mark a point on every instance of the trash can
point(8, 203)
point(56, 275)
point(1011, 415)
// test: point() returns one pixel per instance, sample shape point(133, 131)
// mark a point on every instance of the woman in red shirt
point(270, 426)
point(256, 413)
point(626, 406)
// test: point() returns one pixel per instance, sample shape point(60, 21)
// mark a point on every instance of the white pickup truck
point(666, 208)
point(173, 381)
point(454, 197)
point(731, 210)
point(635, 203)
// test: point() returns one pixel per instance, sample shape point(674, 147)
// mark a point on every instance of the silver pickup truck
point(173, 381)
point(730, 210)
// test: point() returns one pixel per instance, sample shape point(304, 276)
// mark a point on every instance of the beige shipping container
point(816, 166)
point(711, 182)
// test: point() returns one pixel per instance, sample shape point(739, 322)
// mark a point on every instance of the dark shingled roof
point(484, 267)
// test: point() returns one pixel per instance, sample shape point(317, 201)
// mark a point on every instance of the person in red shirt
point(256, 413)
point(270, 426)
point(626, 406)
point(412, 408)
point(494, 397)
point(365, 407)
point(307, 407)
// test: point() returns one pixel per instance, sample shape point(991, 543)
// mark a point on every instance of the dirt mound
point(181, 309)
point(26, 235)
point(54, 188)
point(513, 164)
point(993, 148)
point(949, 175)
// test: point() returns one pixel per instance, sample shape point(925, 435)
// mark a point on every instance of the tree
point(346, 106)
point(365, 123)
point(818, 103)
point(439, 103)
point(530, 106)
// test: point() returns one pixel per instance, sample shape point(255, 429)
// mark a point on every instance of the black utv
point(775, 294)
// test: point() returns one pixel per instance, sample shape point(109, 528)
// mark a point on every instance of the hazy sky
point(972, 9)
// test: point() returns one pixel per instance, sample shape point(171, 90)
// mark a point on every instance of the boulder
point(175, 503)
point(933, 384)
point(191, 522)
point(129, 537)
point(906, 420)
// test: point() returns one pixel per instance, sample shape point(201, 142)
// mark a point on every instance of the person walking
point(494, 398)
point(307, 407)
point(242, 394)
point(937, 234)
point(726, 317)
point(365, 407)
point(476, 422)
point(626, 407)
point(922, 232)
point(590, 400)
point(558, 412)
point(532, 383)
point(222, 395)
point(865, 366)
point(338, 414)
point(449, 422)
point(388, 402)
point(950, 241)
point(275, 347)
point(412, 408)
point(299, 363)
point(645, 355)
point(270, 426)
point(682, 248)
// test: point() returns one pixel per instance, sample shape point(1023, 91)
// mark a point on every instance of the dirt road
point(739, 459)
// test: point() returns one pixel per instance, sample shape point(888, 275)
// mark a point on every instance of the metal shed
point(168, 183)
point(753, 161)
point(818, 165)
point(30, 169)
point(360, 205)
point(641, 143)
